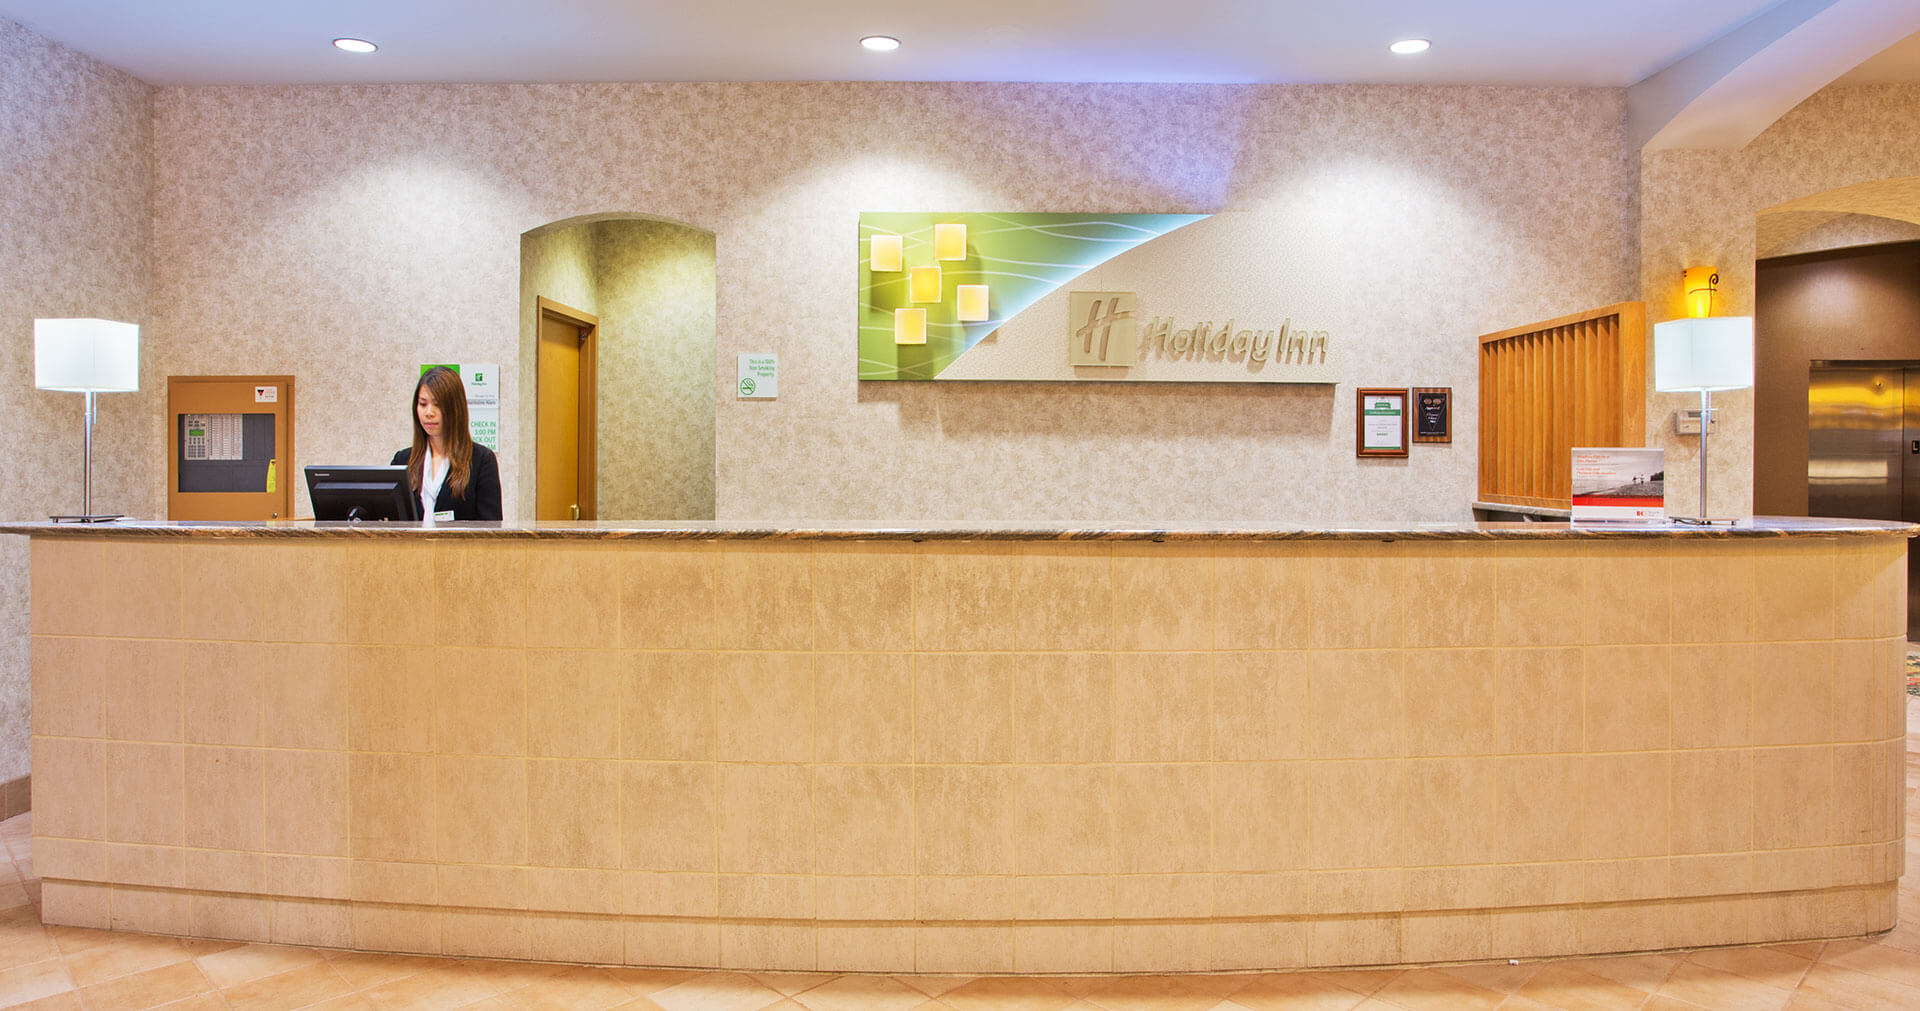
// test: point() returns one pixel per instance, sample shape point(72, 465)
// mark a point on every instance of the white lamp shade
point(1703, 355)
point(86, 355)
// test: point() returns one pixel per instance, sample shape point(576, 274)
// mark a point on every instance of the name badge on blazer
point(443, 516)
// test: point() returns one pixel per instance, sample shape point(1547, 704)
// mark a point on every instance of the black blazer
point(482, 500)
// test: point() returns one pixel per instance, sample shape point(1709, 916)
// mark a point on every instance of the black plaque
point(1433, 414)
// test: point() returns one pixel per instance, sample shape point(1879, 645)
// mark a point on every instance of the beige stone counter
point(971, 754)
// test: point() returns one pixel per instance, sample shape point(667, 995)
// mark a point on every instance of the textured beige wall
point(343, 233)
point(1700, 207)
point(75, 235)
point(656, 286)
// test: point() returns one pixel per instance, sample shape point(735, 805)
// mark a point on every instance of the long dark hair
point(443, 384)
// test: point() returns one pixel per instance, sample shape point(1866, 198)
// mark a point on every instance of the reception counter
point(971, 750)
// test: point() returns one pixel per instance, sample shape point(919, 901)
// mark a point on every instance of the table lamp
point(1703, 355)
point(89, 356)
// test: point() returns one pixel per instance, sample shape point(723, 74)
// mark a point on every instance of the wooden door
point(564, 414)
point(230, 448)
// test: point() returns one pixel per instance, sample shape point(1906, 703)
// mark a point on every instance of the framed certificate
point(1433, 414)
point(1380, 422)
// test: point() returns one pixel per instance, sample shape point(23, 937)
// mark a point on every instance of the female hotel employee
point(447, 471)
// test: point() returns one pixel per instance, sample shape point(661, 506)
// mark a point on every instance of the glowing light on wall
point(972, 300)
point(923, 284)
point(909, 326)
point(1701, 285)
point(886, 253)
point(949, 242)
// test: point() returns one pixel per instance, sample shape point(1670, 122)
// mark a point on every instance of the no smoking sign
point(759, 377)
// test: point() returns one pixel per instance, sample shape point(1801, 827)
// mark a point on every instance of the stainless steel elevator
point(1863, 448)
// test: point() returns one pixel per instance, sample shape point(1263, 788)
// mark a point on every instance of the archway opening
point(649, 286)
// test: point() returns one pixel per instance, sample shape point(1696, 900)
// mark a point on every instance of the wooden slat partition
point(1547, 387)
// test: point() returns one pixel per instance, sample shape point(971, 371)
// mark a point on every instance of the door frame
point(588, 326)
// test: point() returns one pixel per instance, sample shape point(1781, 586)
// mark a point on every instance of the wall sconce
point(89, 356)
point(885, 253)
point(1701, 284)
point(909, 326)
point(1703, 355)
point(972, 300)
point(949, 242)
point(923, 284)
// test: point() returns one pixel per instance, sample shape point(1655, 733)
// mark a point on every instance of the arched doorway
point(649, 286)
point(1837, 356)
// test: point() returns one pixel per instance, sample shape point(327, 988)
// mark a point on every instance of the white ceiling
point(1572, 42)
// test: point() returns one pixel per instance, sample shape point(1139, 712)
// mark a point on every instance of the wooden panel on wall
point(1547, 387)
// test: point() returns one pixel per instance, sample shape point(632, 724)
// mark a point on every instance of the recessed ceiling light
point(881, 43)
point(1407, 47)
point(354, 45)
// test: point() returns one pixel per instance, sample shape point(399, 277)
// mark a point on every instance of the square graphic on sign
point(1103, 328)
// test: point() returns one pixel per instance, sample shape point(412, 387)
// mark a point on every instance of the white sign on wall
point(759, 376)
point(481, 381)
point(1235, 297)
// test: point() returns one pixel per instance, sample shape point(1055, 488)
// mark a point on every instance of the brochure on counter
point(1619, 485)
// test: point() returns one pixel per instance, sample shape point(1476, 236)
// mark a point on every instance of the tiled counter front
point(973, 757)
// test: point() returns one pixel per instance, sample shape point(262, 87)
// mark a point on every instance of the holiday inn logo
point(1107, 328)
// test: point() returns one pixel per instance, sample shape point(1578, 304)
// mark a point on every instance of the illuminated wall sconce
point(909, 326)
point(1701, 285)
point(973, 302)
point(885, 253)
point(949, 242)
point(923, 284)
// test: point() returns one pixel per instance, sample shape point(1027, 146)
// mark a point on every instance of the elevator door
point(1863, 449)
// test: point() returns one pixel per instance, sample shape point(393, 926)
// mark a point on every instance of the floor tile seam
point(208, 984)
point(347, 989)
point(66, 972)
point(319, 961)
point(1870, 972)
point(1783, 991)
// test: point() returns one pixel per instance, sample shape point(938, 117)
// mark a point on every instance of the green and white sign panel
point(481, 382)
point(1236, 297)
point(759, 377)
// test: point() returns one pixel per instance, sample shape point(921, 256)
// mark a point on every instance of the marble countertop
point(1091, 530)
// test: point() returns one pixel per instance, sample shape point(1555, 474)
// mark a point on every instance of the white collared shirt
point(433, 474)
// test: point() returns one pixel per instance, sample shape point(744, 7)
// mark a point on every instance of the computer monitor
point(361, 493)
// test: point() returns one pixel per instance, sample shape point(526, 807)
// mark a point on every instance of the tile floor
point(71, 968)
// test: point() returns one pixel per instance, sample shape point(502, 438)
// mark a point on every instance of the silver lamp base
point(87, 515)
point(1706, 425)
